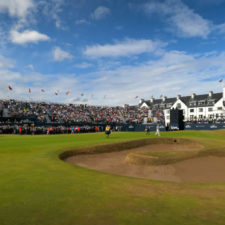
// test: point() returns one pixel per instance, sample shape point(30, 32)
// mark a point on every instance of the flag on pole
point(42, 90)
point(29, 90)
point(56, 93)
point(10, 88)
point(68, 92)
point(221, 80)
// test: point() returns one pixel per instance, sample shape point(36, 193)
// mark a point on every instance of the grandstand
point(50, 113)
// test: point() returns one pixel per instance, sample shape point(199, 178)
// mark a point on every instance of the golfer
point(107, 131)
point(157, 130)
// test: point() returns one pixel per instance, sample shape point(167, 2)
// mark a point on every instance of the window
point(168, 111)
point(211, 102)
point(191, 117)
point(210, 109)
point(201, 103)
point(192, 110)
point(219, 108)
point(168, 117)
point(200, 109)
point(200, 117)
point(193, 103)
point(178, 105)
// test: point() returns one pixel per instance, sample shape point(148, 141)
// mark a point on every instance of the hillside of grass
point(36, 187)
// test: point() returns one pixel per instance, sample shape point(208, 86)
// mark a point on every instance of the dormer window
point(201, 102)
point(193, 103)
point(211, 102)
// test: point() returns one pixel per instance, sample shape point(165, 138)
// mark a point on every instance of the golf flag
point(10, 88)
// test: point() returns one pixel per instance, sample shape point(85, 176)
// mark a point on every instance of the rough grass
point(36, 187)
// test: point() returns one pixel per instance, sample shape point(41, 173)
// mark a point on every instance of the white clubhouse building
point(195, 107)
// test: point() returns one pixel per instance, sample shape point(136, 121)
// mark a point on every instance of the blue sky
point(107, 52)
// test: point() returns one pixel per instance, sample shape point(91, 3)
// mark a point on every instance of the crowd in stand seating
point(157, 113)
point(70, 113)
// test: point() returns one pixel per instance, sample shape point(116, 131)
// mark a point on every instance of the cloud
point(30, 67)
point(100, 13)
point(16, 8)
point(124, 48)
point(174, 72)
point(83, 65)
point(60, 55)
point(220, 28)
point(81, 21)
point(5, 63)
point(27, 36)
point(52, 10)
point(179, 16)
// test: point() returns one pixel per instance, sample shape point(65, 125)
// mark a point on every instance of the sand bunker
point(201, 169)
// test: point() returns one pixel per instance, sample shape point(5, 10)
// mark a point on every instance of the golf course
point(39, 185)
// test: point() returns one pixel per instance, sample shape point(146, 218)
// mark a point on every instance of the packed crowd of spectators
point(31, 129)
point(158, 114)
point(70, 113)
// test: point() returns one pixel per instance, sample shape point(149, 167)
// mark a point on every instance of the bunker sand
point(200, 169)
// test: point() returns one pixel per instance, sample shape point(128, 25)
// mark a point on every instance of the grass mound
point(122, 146)
point(170, 157)
point(160, 158)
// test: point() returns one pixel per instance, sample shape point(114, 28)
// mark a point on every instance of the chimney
point(164, 98)
point(210, 94)
point(193, 95)
point(178, 97)
point(151, 99)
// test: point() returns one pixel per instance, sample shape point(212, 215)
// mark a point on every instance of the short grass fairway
point(37, 188)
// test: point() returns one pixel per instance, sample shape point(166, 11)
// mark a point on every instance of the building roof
point(197, 101)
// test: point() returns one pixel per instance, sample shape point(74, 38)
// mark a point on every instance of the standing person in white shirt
point(157, 130)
